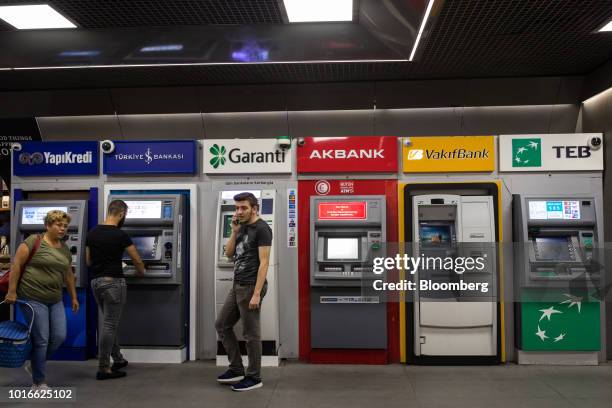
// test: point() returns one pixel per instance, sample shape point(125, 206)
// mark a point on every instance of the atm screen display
point(227, 225)
point(554, 210)
point(342, 248)
point(552, 249)
point(36, 215)
point(435, 234)
point(144, 209)
point(145, 246)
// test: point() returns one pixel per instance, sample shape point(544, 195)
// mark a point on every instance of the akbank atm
point(558, 268)
point(346, 232)
point(224, 274)
point(455, 322)
point(155, 315)
point(30, 216)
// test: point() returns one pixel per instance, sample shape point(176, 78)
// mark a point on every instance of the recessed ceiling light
point(34, 16)
point(606, 28)
point(421, 29)
point(309, 11)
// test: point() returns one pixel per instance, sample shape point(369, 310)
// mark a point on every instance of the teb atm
point(558, 269)
point(346, 233)
point(155, 315)
point(224, 275)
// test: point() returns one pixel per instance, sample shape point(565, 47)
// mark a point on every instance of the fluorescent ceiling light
point(421, 29)
point(309, 11)
point(606, 28)
point(162, 48)
point(36, 16)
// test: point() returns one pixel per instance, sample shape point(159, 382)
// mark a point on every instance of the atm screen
point(552, 249)
point(227, 225)
point(435, 234)
point(554, 210)
point(342, 248)
point(36, 215)
point(144, 209)
point(145, 246)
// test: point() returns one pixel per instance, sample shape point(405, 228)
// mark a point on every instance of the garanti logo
point(526, 152)
point(237, 156)
point(218, 155)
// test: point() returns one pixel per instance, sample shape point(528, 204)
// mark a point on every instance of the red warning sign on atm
point(343, 211)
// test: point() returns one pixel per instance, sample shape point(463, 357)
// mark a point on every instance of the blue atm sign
point(175, 156)
point(56, 159)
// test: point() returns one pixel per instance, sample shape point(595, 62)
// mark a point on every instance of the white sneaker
point(43, 387)
point(34, 387)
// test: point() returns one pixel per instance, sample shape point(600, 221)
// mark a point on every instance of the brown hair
point(250, 197)
point(117, 206)
point(54, 216)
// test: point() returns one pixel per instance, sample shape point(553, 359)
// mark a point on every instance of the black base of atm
point(346, 325)
point(153, 316)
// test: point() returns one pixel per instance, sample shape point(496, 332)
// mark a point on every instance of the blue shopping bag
point(15, 343)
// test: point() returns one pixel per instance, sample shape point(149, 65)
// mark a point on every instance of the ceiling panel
point(470, 39)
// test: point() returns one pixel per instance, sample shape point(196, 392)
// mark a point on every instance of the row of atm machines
point(555, 259)
point(556, 264)
point(155, 315)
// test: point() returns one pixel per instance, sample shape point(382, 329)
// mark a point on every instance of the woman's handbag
point(4, 279)
point(15, 343)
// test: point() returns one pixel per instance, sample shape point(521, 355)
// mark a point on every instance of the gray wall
point(596, 116)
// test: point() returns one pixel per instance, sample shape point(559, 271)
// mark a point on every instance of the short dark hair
point(116, 207)
point(250, 197)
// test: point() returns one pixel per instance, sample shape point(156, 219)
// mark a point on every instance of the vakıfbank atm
point(346, 232)
point(455, 313)
point(224, 275)
point(558, 269)
point(155, 315)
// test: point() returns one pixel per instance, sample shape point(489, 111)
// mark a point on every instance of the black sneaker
point(248, 384)
point(229, 377)
point(101, 375)
point(118, 365)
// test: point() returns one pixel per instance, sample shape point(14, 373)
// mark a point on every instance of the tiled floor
point(330, 386)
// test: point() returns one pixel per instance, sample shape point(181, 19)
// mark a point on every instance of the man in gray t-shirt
point(249, 245)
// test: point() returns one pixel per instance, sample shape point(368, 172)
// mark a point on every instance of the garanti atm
point(346, 232)
point(557, 270)
point(155, 315)
point(450, 322)
point(224, 275)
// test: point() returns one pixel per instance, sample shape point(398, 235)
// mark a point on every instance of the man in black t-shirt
point(106, 244)
point(249, 245)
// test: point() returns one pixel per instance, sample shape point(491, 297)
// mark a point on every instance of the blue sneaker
point(229, 377)
point(248, 384)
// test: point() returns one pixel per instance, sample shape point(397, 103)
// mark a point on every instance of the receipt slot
point(155, 315)
point(224, 275)
point(557, 268)
point(455, 322)
point(347, 232)
point(30, 216)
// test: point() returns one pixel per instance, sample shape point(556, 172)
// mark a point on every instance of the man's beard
point(121, 222)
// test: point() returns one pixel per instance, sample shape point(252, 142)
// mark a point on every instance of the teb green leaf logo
point(526, 152)
point(218, 155)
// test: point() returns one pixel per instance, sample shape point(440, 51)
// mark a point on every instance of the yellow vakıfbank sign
point(444, 154)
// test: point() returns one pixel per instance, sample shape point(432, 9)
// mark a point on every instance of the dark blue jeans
point(48, 333)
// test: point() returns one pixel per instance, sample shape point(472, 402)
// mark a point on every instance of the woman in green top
point(41, 286)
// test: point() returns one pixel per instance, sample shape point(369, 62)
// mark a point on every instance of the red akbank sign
point(367, 154)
